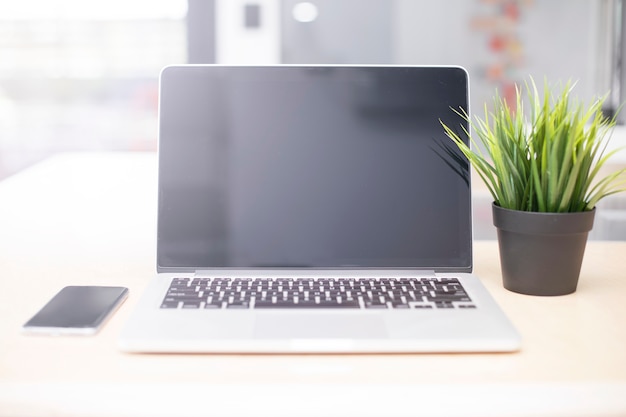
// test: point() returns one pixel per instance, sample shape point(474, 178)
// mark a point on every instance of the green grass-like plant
point(545, 162)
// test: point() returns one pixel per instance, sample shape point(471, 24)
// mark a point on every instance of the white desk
point(90, 219)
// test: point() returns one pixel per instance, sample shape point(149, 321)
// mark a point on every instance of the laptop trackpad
point(292, 325)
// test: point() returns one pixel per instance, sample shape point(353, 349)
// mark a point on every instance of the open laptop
point(313, 209)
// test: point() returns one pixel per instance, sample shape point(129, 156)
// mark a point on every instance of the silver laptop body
point(313, 209)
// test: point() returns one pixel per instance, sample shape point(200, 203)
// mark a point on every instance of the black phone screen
point(78, 307)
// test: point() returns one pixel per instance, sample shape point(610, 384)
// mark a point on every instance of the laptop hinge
point(329, 271)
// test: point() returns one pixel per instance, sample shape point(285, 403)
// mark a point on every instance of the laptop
point(313, 209)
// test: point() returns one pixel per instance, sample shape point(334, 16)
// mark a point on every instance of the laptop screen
point(312, 166)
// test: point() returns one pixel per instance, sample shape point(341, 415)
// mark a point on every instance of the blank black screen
point(78, 307)
point(294, 166)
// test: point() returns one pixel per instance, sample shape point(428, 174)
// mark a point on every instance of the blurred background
point(80, 75)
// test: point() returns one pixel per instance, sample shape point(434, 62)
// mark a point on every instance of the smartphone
point(77, 310)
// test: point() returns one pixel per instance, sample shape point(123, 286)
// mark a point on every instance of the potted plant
point(542, 168)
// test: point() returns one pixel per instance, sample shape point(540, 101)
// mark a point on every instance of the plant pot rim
point(543, 213)
point(542, 223)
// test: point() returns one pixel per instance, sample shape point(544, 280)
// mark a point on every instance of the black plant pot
point(541, 253)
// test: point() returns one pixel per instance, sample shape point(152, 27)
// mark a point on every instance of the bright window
point(77, 75)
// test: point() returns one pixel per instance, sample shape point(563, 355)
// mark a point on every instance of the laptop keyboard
point(382, 293)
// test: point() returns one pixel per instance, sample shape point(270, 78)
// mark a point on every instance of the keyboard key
point(304, 304)
point(169, 304)
point(238, 304)
point(399, 304)
point(213, 305)
point(191, 304)
point(373, 304)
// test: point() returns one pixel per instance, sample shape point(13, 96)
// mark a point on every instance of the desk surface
point(90, 219)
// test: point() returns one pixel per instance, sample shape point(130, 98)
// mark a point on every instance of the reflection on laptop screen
point(312, 167)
